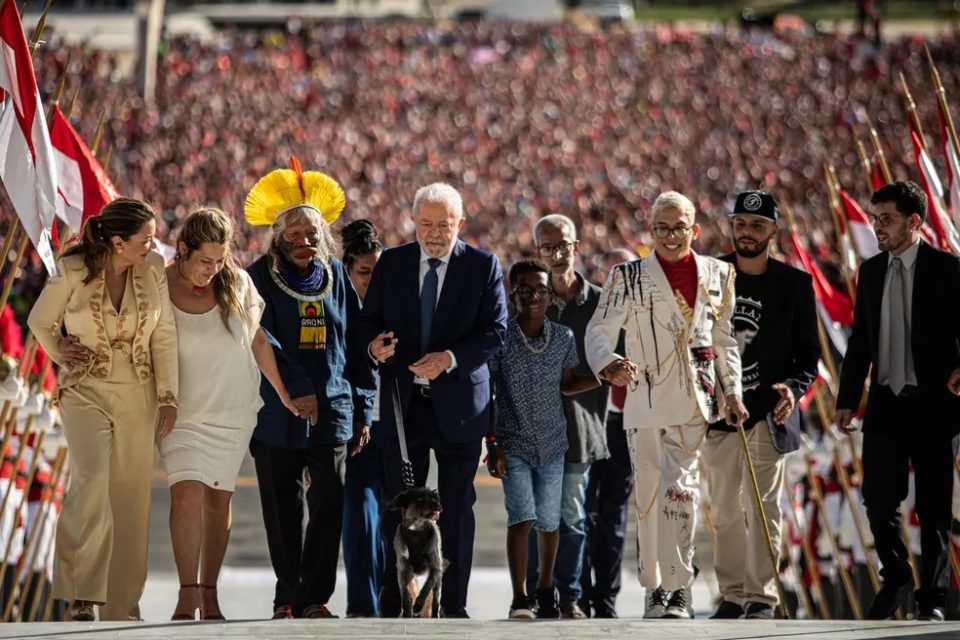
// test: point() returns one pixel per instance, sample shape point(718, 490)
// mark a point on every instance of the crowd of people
point(528, 118)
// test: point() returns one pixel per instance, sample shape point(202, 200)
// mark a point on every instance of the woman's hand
point(166, 418)
point(73, 353)
point(288, 402)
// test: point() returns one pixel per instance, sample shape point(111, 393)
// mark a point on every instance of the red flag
point(876, 175)
point(26, 156)
point(947, 237)
point(836, 303)
point(859, 227)
point(83, 186)
point(952, 163)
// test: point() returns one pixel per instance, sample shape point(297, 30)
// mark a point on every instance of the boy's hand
point(496, 462)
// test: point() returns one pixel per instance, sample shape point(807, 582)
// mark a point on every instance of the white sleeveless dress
point(219, 394)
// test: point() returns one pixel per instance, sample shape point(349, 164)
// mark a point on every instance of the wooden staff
point(836, 207)
point(817, 496)
point(761, 516)
point(39, 524)
point(13, 481)
point(34, 465)
point(32, 544)
point(912, 112)
point(810, 559)
point(865, 161)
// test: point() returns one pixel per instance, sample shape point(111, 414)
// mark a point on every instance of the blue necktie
point(428, 303)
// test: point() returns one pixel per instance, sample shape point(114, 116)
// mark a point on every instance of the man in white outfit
point(682, 370)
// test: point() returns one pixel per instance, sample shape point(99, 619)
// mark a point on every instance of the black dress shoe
point(887, 600)
point(453, 613)
point(931, 614)
point(728, 611)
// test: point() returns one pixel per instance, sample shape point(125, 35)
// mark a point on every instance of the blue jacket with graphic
point(319, 350)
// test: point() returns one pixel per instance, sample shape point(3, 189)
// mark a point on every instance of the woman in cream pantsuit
point(106, 319)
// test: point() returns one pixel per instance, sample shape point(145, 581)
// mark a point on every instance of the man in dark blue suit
point(434, 314)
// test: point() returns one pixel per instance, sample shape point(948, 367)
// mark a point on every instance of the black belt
point(423, 390)
point(906, 392)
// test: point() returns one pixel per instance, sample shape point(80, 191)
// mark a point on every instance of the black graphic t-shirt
point(746, 324)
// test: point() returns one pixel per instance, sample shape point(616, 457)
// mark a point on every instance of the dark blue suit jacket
point(470, 321)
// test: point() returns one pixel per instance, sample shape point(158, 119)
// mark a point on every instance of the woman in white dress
point(222, 350)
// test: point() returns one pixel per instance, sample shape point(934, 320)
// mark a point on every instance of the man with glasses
point(775, 322)
point(573, 303)
point(682, 368)
point(906, 333)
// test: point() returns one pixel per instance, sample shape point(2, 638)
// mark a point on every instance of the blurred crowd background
point(525, 119)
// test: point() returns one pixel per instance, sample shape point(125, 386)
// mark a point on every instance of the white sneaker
point(677, 605)
point(656, 605)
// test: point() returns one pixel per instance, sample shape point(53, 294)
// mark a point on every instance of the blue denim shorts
point(533, 493)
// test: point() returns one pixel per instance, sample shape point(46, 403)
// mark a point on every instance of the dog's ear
point(400, 501)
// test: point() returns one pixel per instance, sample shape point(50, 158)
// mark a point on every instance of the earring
point(119, 248)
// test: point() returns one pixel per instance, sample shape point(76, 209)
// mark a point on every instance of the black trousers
point(456, 469)
point(305, 563)
point(608, 492)
point(904, 431)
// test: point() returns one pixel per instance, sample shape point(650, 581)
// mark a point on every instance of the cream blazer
point(67, 302)
point(684, 367)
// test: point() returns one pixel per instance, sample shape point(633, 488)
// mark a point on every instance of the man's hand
point(844, 420)
point(785, 406)
point(361, 438)
point(431, 365)
point(74, 353)
point(734, 412)
point(496, 462)
point(953, 384)
point(381, 349)
point(307, 407)
point(166, 418)
point(621, 373)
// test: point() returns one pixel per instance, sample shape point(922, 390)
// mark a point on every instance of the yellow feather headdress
point(284, 189)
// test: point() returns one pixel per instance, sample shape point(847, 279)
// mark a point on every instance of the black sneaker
point(677, 605)
point(522, 609)
point(605, 612)
point(548, 606)
point(728, 611)
point(759, 611)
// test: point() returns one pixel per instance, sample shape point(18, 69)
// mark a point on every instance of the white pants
point(665, 468)
point(741, 559)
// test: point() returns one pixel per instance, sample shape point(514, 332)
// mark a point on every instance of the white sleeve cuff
point(453, 360)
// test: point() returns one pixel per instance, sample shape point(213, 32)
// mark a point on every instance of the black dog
point(417, 544)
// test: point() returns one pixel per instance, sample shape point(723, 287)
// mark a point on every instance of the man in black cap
point(776, 327)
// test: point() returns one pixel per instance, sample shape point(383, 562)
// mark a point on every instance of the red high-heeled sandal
point(209, 616)
point(185, 616)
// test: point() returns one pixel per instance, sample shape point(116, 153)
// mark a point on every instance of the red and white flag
point(948, 145)
point(27, 167)
point(859, 227)
point(83, 187)
point(947, 236)
point(836, 303)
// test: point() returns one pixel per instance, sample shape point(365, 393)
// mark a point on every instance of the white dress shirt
point(909, 260)
point(441, 274)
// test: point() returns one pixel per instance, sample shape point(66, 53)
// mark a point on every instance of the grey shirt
point(586, 412)
point(909, 260)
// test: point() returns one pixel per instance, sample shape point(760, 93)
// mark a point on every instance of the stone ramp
point(479, 630)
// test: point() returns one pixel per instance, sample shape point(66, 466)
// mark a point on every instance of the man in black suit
point(907, 326)
point(775, 323)
point(434, 314)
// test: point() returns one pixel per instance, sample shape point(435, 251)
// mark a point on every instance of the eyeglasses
point(665, 232)
point(883, 221)
point(529, 292)
point(548, 250)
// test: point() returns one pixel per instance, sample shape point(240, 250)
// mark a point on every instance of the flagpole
point(864, 160)
point(833, 195)
point(878, 150)
point(811, 560)
point(912, 111)
point(33, 545)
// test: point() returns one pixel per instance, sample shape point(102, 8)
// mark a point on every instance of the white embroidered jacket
point(682, 367)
